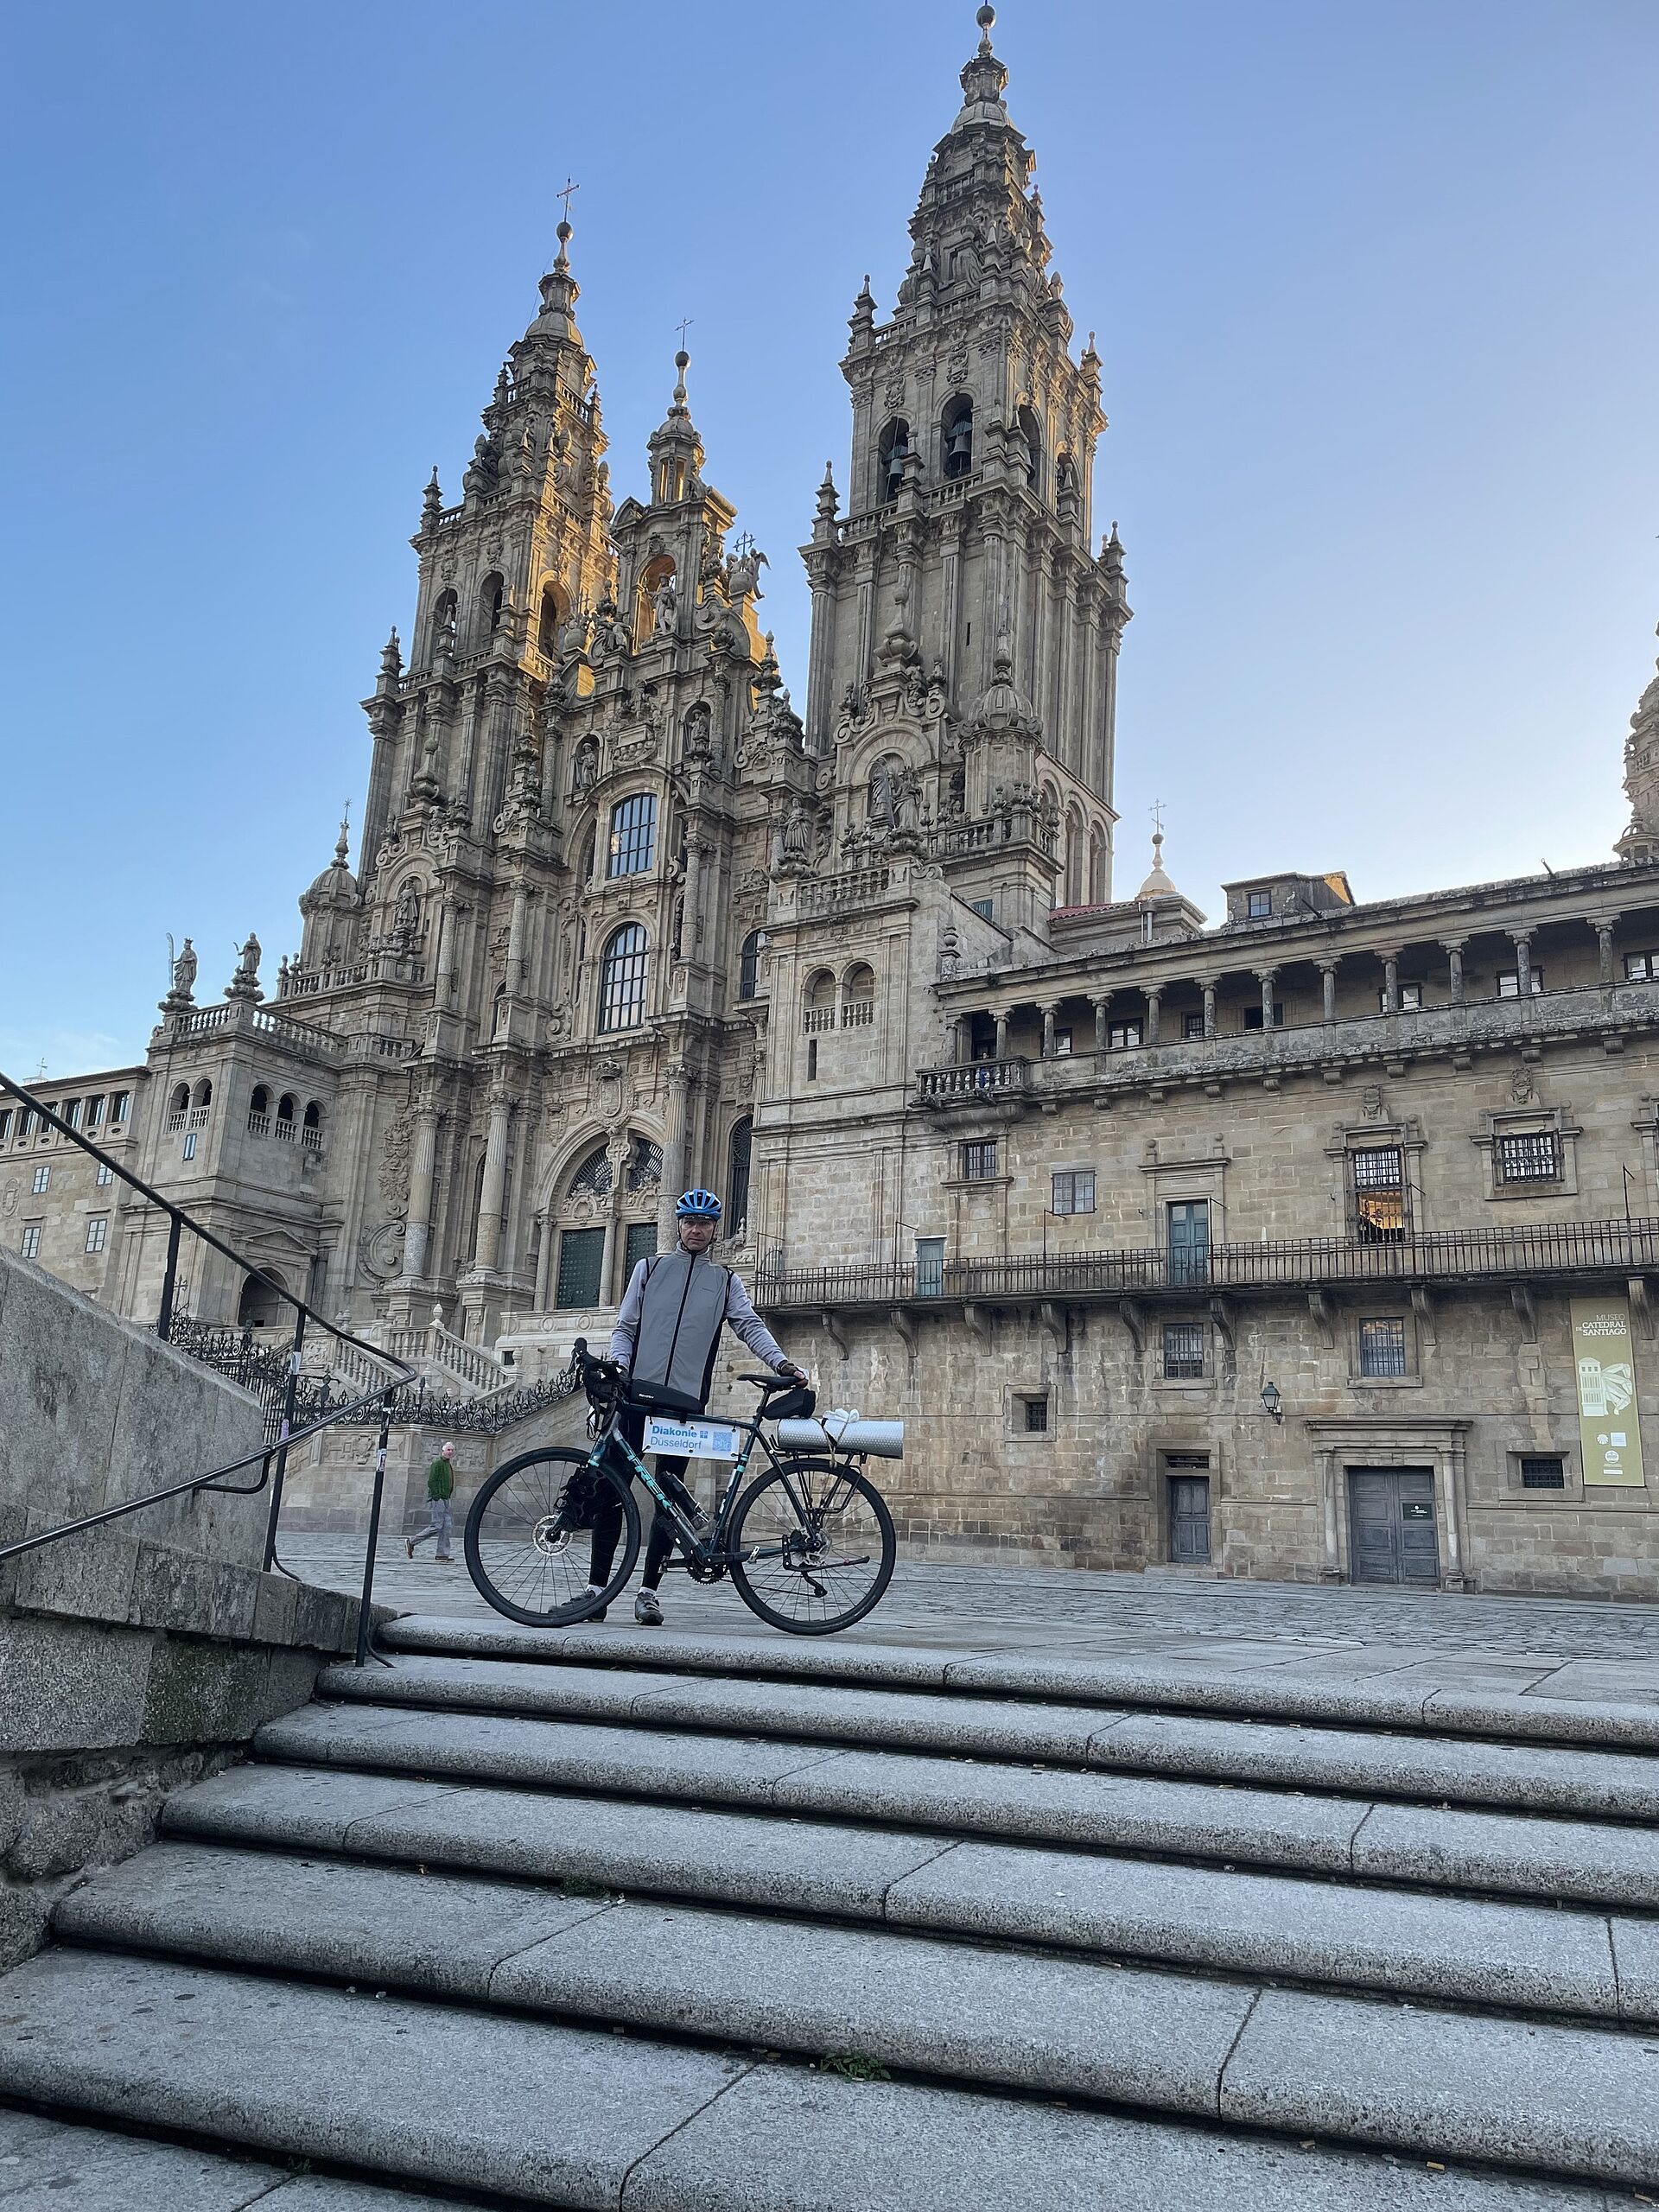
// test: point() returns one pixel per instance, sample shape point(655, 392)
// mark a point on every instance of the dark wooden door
point(1189, 1240)
point(1392, 1533)
point(1189, 1520)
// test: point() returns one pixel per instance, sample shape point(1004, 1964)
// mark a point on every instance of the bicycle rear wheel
point(528, 1537)
point(812, 1545)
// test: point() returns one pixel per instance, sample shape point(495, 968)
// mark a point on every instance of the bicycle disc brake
point(803, 1549)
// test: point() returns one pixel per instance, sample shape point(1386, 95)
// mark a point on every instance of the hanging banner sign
point(1609, 1434)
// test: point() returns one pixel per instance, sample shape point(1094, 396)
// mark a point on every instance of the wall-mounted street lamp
point(1270, 1401)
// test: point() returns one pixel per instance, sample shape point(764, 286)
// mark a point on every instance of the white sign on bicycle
point(691, 1440)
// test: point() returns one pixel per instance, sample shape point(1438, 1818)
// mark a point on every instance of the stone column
point(1328, 989)
point(1102, 1008)
point(1001, 1033)
point(1391, 981)
point(1154, 1012)
point(518, 960)
point(544, 1259)
point(674, 1154)
point(1268, 977)
point(1604, 930)
point(1209, 1008)
point(423, 1171)
point(495, 1181)
point(1452, 948)
point(608, 1258)
point(1522, 963)
point(1050, 1010)
point(691, 927)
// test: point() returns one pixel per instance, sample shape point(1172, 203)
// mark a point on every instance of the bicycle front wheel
point(530, 1534)
point(812, 1547)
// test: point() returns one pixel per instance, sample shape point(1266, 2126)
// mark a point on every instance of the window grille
point(639, 1242)
point(594, 1176)
point(737, 1176)
point(1036, 1412)
point(1073, 1191)
point(622, 980)
point(644, 1165)
point(633, 835)
point(1379, 1193)
point(979, 1161)
point(581, 1253)
point(1529, 1156)
point(98, 1228)
point(1182, 1352)
point(1382, 1348)
point(1192, 1025)
point(983, 907)
point(1540, 1473)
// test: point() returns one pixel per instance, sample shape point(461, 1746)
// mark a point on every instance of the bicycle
point(807, 1536)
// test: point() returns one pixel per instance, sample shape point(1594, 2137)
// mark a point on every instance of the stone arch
point(491, 600)
point(445, 617)
point(263, 1304)
point(891, 447)
point(1076, 857)
point(551, 614)
point(956, 437)
point(1098, 867)
point(657, 572)
point(202, 1096)
point(1029, 451)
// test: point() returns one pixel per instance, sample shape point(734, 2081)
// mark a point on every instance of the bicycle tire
point(524, 1514)
point(835, 1475)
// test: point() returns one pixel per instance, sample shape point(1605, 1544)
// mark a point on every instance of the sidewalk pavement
point(1334, 1637)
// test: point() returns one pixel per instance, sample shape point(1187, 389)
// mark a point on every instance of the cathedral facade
point(1268, 1249)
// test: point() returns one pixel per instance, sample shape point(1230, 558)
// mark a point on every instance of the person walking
point(666, 1335)
point(440, 1510)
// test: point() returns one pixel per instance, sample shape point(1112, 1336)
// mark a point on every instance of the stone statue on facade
point(665, 600)
point(743, 570)
point(184, 974)
point(584, 773)
point(245, 983)
point(406, 914)
point(883, 813)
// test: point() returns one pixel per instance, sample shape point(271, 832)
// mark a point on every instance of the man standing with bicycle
point(666, 1336)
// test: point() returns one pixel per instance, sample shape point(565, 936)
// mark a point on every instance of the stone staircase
point(596, 1918)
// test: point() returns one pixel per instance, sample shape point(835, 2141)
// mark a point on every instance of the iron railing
point(1458, 1256)
point(297, 1413)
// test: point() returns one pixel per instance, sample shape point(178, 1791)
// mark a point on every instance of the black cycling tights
point(607, 1529)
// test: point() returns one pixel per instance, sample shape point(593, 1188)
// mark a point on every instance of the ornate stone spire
point(676, 450)
point(560, 293)
point(1158, 884)
point(431, 502)
point(1639, 846)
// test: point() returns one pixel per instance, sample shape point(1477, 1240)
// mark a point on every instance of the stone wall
point(135, 1657)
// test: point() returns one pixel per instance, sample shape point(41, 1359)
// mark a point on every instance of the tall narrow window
point(748, 963)
point(979, 1161)
point(737, 1177)
point(1382, 1349)
point(929, 1267)
point(98, 1229)
point(1379, 1193)
point(31, 1244)
point(1189, 1240)
point(633, 835)
point(622, 979)
point(891, 450)
point(1183, 1351)
point(1030, 448)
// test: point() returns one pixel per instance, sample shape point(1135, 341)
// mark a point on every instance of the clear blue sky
point(1376, 294)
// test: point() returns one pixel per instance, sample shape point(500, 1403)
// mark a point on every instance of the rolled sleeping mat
point(845, 1432)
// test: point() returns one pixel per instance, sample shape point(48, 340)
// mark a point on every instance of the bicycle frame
point(710, 1548)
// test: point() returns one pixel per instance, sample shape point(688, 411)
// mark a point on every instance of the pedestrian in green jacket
point(440, 1491)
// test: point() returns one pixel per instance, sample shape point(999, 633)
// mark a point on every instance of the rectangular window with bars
point(979, 1161)
point(1073, 1190)
point(106, 1173)
point(1543, 1473)
point(1378, 1176)
point(1528, 1156)
point(1182, 1352)
point(1036, 1416)
point(98, 1231)
point(1382, 1349)
point(1192, 1025)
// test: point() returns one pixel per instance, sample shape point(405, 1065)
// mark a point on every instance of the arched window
point(644, 1165)
point(262, 1304)
point(622, 979)
point(287, 1127)
point(204, 1096)
point(1076, 850)
point(858, 996)
point(1097, 868)
point(443, 620)
point(492, 596)
point(1031, 440)
point(891, 448)
point(593, 1177)
point(180, 1103)
point(633, 835)
point(748, 963)
point(311, 1128)
point(819, 1007)
point(551, 622)
point(737, 1176)
point(585, 859)
point(956, 425)
point(259, 1111)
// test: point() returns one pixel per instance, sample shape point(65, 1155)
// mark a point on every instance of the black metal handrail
point(1525, 1252)
point(271, 1459)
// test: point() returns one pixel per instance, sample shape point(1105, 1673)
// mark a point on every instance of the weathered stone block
point(65, 1830)
point(204, 1693)
point(67, 1686)
point(175, 1589)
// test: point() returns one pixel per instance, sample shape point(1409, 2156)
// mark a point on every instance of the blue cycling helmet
point(698, 1206)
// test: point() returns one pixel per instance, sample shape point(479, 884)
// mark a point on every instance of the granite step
point(1535, 1777)
point(1407, 1943)
point(1389, 1697)
point(1420, 2080)
point(50, 2164)
point(540, 2113)
point(1526, 1855)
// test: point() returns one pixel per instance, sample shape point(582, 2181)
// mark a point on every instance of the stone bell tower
point(964, 565)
